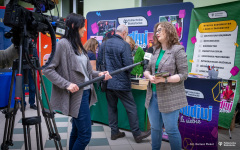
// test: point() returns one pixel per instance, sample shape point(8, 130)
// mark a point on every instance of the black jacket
point(117, 55)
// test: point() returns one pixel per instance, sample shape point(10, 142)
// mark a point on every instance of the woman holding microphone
point(166, 96)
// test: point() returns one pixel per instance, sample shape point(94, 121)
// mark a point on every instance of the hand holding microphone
point(73, 88)
point(107, 75)
point(147, 57)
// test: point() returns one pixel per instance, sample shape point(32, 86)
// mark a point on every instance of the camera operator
point(7, 56)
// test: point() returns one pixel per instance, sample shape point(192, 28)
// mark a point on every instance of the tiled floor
point(100, 136)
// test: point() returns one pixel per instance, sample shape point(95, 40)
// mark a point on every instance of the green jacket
point(137, 58)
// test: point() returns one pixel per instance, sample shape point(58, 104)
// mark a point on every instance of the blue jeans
point(170, 121)
point(81, 126)
point(32, 91)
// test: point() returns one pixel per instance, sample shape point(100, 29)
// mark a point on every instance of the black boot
point(142, 136)
point(116, 136)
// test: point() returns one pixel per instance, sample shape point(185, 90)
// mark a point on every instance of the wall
point(202, 3)
point(97, 5)
point(159, 2)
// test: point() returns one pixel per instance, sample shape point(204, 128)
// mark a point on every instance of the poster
point(228, 90)
point(198, 122)
point(213, 44)
point(140, 22)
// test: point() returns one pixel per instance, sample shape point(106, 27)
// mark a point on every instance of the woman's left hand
point(107, 75)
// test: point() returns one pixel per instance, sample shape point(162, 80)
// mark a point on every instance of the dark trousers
point(128, 102)
point(32, 91)
point(81, 126)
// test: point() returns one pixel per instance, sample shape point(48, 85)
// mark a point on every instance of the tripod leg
point(39, 130)
point(40, 133)
point(29, 137)
point(53, 121)
point(37, 138)
point(19, 79)
point(53, 131)
point(10, 118)
point(13, 121)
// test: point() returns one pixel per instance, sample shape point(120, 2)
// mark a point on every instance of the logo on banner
point(194, 93)
point(220, 143)
point(218, 14)
point(133, 21)
point(197, 112)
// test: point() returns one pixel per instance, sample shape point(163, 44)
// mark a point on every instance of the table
point(99, 111)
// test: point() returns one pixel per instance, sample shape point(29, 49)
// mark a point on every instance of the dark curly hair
point(171, 34)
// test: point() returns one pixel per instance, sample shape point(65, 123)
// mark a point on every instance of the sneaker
point(33, 107)
point(116, 136)
point(142, 136)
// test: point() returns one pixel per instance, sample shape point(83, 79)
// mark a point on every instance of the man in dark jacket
point(118, 55)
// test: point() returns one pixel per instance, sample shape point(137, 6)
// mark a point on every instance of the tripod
point(10, 113)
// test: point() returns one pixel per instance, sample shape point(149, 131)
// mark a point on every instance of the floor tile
point(99, 148)
point(145, 146)
point(165, 146)
point(18, 131)
point(50, 143)
point(97, 128)
point(63, 119)
point(121, 147)
point(119, 141)
point(63, 124)
point(107, 128)
point(17, 145)
point(98, 142)
point(62, 129)
point(98, 135)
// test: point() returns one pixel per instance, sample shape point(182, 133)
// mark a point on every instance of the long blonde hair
point(132, 42)
point(90, 45)
point(171, 34)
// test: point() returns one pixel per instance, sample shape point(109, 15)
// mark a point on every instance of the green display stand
point(99, 111)
point(48, 85)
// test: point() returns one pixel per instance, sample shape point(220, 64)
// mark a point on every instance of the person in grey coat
point(166, 96)
point(7, 56)
point(71, 66)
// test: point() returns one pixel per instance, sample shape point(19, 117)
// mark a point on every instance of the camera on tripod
point(25, 28)
point(27, 24)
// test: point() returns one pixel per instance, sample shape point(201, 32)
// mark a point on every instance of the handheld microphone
point(147, 57)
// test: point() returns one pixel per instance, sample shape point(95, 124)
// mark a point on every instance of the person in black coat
point(118, 55)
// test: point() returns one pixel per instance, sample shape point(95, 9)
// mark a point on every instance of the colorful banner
point(140, 22)
point(213, 45)
point(198, 122)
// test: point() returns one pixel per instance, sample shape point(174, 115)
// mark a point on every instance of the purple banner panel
point(198, 122)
